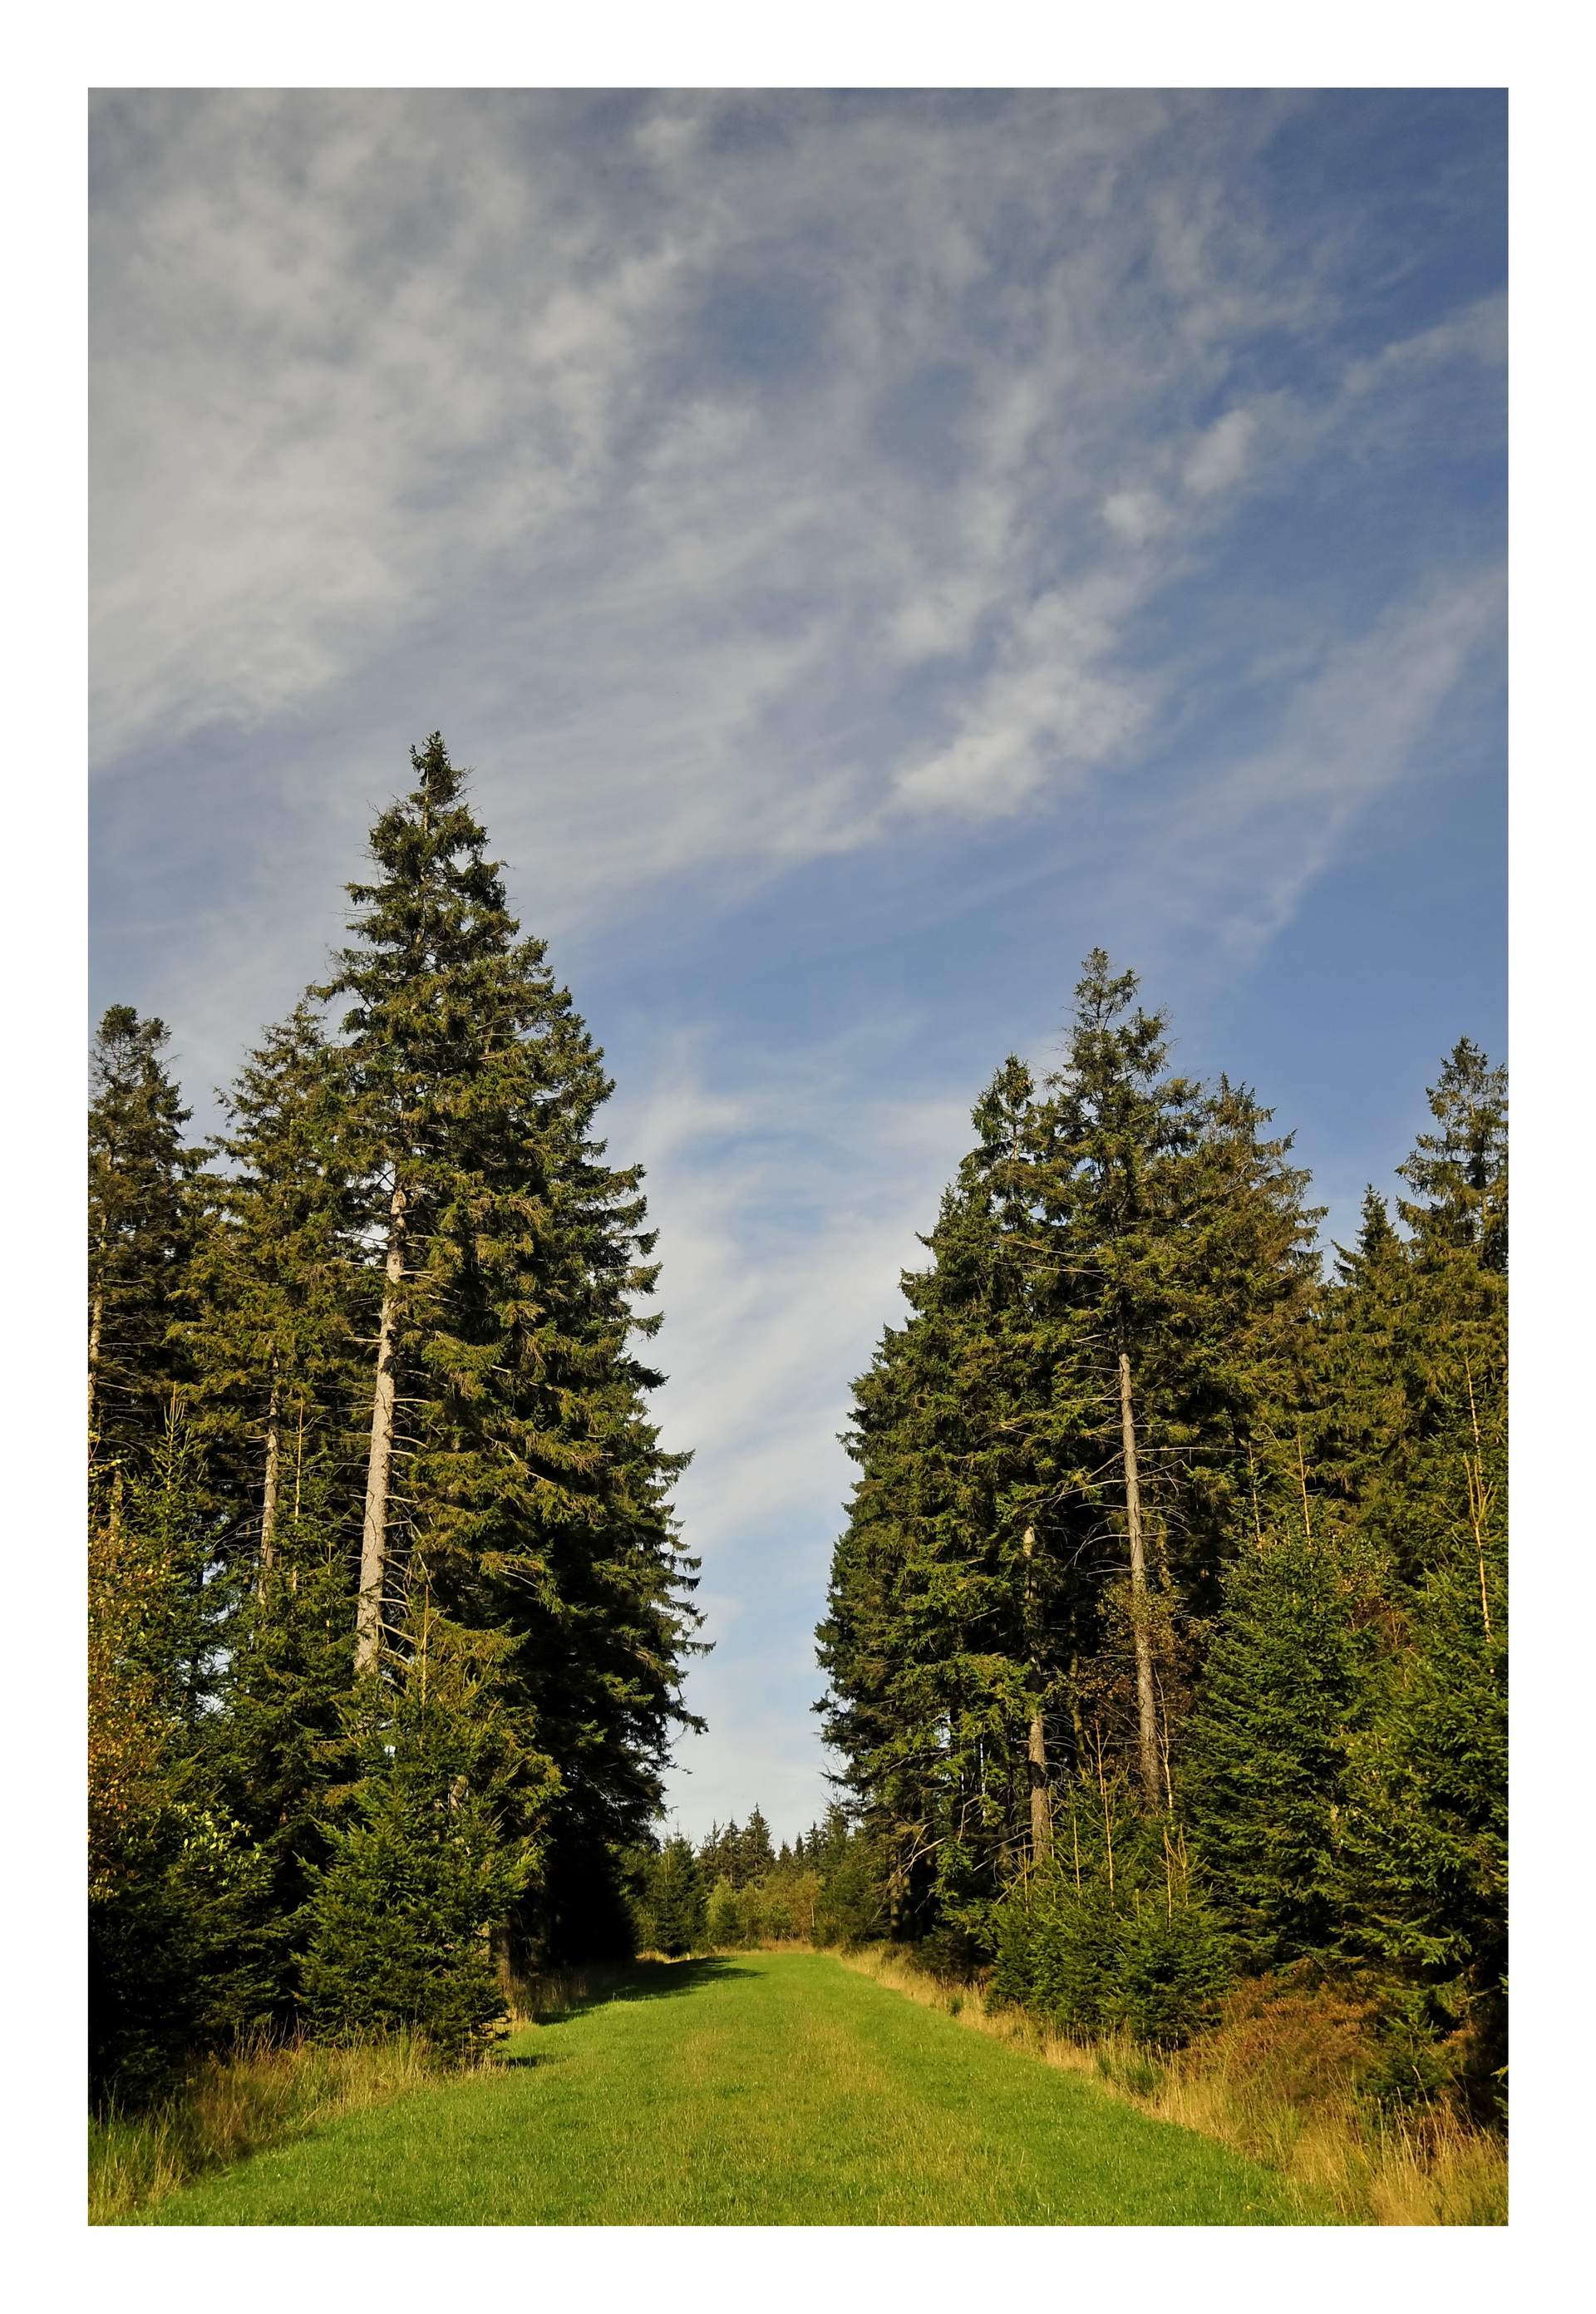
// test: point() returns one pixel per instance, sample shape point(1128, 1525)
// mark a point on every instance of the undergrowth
point(1278, 2078)
point(267, 2092)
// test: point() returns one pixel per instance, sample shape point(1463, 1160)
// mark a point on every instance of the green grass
point(765, 2089)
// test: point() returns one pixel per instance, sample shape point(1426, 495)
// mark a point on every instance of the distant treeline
point(388, 1616)
point(736, 1889)
point(1167, 1635)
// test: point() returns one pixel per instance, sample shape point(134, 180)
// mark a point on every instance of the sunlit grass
point(233, 2105)
point(754, 2089)
point(1270, 2083)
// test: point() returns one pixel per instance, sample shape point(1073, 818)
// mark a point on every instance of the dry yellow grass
point(261, 2095)
point(1276, 2081)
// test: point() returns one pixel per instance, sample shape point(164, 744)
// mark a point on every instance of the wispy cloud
point(935, 489)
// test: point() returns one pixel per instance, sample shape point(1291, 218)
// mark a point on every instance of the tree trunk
point(269, 1493)
point(96, 1323)
point(96, 1328)
point(1041, 1798)
point(373, 1538)
point(1146, 1703)
point(1037, 1735)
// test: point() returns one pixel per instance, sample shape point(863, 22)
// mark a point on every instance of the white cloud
point(740, 479)
point(1135, 516)
point(1219, 458)
point(1049, 707)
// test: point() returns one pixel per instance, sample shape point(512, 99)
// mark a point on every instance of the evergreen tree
point(284, 1295)
point(481, 1511)
point(425, 1860)
point(755, 1856)
point(1460, 1172)
point(175, 1883)
point(1289, 1679)
point(142, 1222)
point(1054, 1451)
point(1409, 1369)
point(284, 1285)
point(530, 1474)
point(1108, 1934)
point(674, 1911)
point(277, 1752)
point(1424, 1880)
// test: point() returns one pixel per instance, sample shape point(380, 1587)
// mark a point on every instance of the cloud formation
point(849, 502)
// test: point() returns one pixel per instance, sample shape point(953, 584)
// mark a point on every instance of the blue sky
point(871, 547)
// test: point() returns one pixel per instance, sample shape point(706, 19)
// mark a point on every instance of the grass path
point(763, 2090)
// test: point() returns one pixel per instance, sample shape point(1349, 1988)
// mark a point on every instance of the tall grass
point(261, 2094)
point(1277, 2080)
point(267, 2092)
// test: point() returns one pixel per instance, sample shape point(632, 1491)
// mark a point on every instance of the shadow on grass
point(643, 1980)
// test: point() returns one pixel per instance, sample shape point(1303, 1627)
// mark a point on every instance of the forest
point(1165, 1638)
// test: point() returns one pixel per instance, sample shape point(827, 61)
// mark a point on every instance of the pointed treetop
point(1460, 1172)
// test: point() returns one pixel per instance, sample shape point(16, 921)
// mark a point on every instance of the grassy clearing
point(1276, 2082)
point(759, 2089)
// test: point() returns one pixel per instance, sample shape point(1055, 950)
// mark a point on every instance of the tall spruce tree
point(1053, 1449)
point(282, 1276)
point(1290, 1678)
point(142, 1225)
point(510, 1466)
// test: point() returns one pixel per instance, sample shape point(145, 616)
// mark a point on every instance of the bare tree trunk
point(1041, 1798)
point(269, 1493)
point(96, 1329)
point(373, 1538)
point(1037, 1735)
point(96, 1326)
point(1146, 1703)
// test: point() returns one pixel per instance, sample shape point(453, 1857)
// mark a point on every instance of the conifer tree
point(284, 1285)
point(675, 1917)
point(142, 1223)
point(1290, 1678)
point(175, 1883)
point(1409, 1367)
point(1424, 1867)
point(427, 1853)
point(507, 1442)
point(1053, 1449)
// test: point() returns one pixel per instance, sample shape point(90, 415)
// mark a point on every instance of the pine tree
point(175, 1883)
point(508, 1450)
point(142, 1223)
point(1290, 1677)
point(426, 1857)
point(1054, 1451)
point(284, 1285)
point(675, 1917)
point(755, 1856)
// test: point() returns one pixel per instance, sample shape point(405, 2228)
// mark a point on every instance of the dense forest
point(388, 1614)
point(1165, 1641)
point(1166, 1638)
